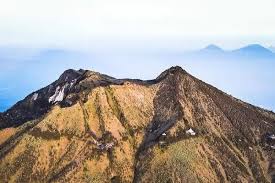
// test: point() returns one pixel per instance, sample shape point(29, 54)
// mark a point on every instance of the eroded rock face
point(89, 127)
point(71, 86)
point(38, 103)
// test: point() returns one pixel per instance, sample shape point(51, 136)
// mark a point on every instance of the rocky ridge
point(89, 127)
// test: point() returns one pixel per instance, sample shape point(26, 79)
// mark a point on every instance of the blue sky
point(137, 39)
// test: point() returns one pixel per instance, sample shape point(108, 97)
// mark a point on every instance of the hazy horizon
point(247, 79)
point(137, 39)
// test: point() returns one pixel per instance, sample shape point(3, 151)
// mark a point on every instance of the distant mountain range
point(252, 51)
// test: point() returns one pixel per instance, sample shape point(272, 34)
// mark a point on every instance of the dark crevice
point(117, 111)
point(86, 121)
point(167, 111)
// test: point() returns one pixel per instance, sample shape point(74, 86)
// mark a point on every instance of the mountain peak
point(254, 48)
point(213, 47)
point(175, 69)
point(254, 51)
point(171, 70)
point(71, 74)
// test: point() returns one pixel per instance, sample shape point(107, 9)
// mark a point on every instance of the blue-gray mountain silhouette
point(252, 51)
point(212, 47)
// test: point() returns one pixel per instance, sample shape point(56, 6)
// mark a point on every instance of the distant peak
point(72, 71)
point(175, 69)
point(213, 47)
point(254, 47)
point(171, 70)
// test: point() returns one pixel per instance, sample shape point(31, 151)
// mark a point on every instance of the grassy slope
point(63, 145)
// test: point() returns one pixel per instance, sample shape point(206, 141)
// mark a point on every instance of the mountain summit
point(254, 48)
point(90, 127)
point(212, 47)
point(254, 51)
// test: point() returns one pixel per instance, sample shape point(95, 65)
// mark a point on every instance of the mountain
point(90, 127)
point(249, 52)
point(210, 51)
point(253, 50)
point(36, 67)
point(213, 48)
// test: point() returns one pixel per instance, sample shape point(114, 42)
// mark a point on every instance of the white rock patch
point(191, 132)
point(35, 96)
point(52, 98)
point(58, 96)
point(272, 137)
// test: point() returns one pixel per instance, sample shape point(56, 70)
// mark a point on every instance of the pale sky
point(75, 22)
point(137, 39)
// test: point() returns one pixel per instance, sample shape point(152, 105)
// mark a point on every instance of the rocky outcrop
point(89, 127)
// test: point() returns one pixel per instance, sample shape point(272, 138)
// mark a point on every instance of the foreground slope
point(89, 127)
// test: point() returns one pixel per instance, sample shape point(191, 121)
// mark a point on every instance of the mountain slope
point(175, 128)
